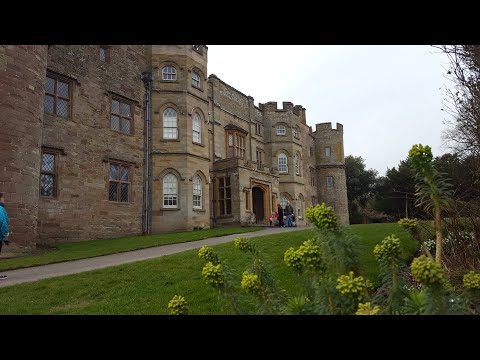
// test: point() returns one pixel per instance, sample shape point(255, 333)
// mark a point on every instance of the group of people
point(288, 214)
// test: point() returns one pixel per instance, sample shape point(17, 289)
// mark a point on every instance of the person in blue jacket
point(4, 232)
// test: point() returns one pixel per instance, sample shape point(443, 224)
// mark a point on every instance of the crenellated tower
point(330, 168)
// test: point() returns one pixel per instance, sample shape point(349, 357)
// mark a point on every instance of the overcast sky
point(387, 97)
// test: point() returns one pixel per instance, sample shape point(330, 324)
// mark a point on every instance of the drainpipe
point(147, 188)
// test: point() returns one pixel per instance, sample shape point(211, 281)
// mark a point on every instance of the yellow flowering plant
point(178, 305)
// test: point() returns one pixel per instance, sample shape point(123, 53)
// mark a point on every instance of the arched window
point(169, 73)
point(282, 163)
point(195, 79)
point(281, 130)
point(296, 160)
point(283, 201)
point(170, 124)
point(170, 192)
point(197, 192)
point(196, 129)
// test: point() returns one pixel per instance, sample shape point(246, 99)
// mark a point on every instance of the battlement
point(327, 126)
point(271, 106)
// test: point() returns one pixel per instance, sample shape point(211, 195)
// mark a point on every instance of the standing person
point(280, 215)
point(4, 232)
point(289, 214)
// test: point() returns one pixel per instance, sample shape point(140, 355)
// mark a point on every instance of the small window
point(170, 192)
point(328, 151)
point(121, 117)
point(195, 79)
point(281, 130)
point(297, 164)
point(196, 129)
point(119, 183)
point(259, 159)
point(169, 73)
point(282, 163)
point(170, 130)
point(197, 192)
point(48, 176)
point(295, 133)
point(311, 150)
point(312, 177)
point(57, 98)
point(104, 54)
point(330, 181)
point(258, 128)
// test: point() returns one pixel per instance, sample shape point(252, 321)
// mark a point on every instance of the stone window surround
point(164, 67)
point(106, 49)
point(55, 152)
point(128, 165)
point(162, 111)
point(236, 145)
point(286, 162)
point(278, 127)
point(124, 100)
point(200, 116)
point(67, 79)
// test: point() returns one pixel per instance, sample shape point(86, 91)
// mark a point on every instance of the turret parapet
point(327, 126)
point(213, 76)
point(287, 106)
point(271, 106)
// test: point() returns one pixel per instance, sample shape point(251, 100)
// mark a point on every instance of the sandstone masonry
point(72, 163)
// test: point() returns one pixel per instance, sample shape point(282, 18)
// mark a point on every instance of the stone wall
point(85, 144)
point(22, 77)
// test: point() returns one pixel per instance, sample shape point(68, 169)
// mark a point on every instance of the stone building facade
point(91, 150)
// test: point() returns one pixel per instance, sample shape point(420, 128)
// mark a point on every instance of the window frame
point(199, 80)
point(258, 129)
point(172, 196)
point(296, 163)
point(328, 149)
point(224, 201)
point(119, 181)
point(199, 189)
point(330, 182)
point(239, 142)
point(169, 73)
point(53, 173)
point(286, 163)
point(196, 116)
point(106, 54)
point(122, 101)
point(259, 153)
point(170, 127)
point(278, 128)
point(56, 78)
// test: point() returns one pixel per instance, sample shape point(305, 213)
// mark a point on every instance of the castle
point(110, 141)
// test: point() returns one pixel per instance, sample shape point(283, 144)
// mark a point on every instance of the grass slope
point(146, 287)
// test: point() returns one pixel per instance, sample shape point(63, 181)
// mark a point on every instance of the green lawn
point(86, 249)
point(146, 287)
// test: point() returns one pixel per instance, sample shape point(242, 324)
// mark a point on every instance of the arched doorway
point(258, 204)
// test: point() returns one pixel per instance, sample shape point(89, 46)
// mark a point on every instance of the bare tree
point(463, 102)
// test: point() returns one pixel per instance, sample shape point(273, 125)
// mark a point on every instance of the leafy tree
point(394, 192)
point(360, 185)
